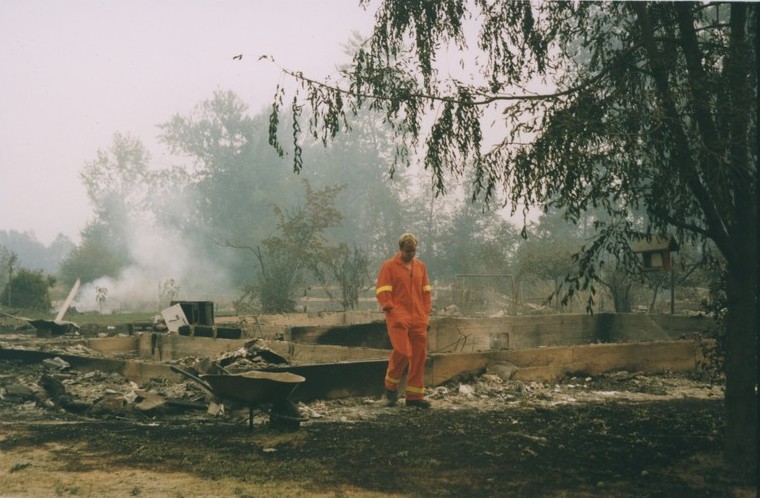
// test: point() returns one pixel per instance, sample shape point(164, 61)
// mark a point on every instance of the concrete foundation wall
point(521, 332)
point(281, 322)
point(168, 347)
point(364, 377)
point(115, 346)
point(370, 335)
point(461, 335)
point(553, 363)
point(318, 344)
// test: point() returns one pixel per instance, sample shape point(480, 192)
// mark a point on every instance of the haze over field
point(75, 73)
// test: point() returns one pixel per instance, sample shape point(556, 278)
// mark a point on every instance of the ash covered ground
point(623, 434)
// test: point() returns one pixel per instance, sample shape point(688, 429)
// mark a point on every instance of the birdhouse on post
point(655, 253)
point(655, 256)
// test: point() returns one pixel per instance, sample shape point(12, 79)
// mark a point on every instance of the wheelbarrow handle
point(221, 368)
point(197, 379)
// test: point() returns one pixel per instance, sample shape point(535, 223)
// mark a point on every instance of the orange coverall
point(404, 295)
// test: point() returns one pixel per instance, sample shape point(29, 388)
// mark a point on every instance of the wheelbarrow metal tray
point(254, 387)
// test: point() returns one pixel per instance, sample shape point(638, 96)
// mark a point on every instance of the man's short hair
point(407, 238)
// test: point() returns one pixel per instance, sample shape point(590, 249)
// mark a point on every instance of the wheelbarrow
point(254, 389)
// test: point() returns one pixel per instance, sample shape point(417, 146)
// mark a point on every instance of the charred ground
point(617, 435)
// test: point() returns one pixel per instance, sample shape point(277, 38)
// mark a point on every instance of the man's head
point(407, 244)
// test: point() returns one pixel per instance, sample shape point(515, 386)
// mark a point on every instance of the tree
point(548, 256)
point(8, 260)
point(118, 183)
point(618, 105)
point(349, 268)
point(32, 253)
point(278, 278)
point(358, 160)
point(233, 175)
point(620, 284)
point(232, 179)
point(299, 249)
point(552, 253)
point(98, 255)
point(31, 290)
point(117, 180)
point(57, 252)
point(470, 240)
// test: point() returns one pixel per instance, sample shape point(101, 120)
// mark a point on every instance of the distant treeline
point(33, 254)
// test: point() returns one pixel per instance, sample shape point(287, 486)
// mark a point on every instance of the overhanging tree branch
point(484, 100)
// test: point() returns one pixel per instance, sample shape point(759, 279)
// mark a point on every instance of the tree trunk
point(741, 365)
point(623, 302)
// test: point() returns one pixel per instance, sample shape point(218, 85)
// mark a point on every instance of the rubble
point(254, 354)
point(45, 387)
point(53, 385)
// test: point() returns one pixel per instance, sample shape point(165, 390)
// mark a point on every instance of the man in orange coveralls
point(403, 291)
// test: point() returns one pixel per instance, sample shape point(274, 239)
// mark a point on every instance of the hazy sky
point(77, 71)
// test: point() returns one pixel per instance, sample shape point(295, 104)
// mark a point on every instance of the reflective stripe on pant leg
point(415, 388)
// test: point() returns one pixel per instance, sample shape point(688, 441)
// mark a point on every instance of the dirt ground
point(618, 435)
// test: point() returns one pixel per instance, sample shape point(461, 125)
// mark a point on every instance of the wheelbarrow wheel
point(285, 416)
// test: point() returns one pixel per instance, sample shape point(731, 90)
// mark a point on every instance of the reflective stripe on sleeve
point(426, 288)
point(384, 288)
